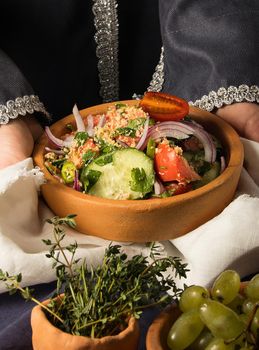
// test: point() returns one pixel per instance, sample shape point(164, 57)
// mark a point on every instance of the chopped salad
point(129, 153)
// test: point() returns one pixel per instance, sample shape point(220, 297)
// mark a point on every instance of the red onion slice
point(208, 144)
point(167, 129)
point(183, 130)
point(56, 141)
point(56, 151)
point(121, 143)
point(144, 135)
point(90, 125)
point(102, 121)
point(192, 123)
point(158, 187)
point(222, 164)
point(176, 133)
point(80, 125)
point(76, 184)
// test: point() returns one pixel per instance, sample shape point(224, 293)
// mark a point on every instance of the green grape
point(236, 304)
point(248, 306)
point(226, 286)
point(218, 344)
point(202, 341)
point(185, 330)
point(222, 321)
point(252, 288)
point(255, 325)
point(192, 298)
point(244, 318)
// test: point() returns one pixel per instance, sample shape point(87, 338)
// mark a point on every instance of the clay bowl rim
point(236, 157)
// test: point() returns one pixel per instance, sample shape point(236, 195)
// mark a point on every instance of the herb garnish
point(88, 156)
point(89, 177)
point(104, 146)
point(97, 302)
point(81, 137)
point(136, 123)
point(104, 159)
point(126, 131)
point(140, 182)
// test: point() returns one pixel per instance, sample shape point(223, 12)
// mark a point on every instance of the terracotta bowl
point(151, 219)
point(156, 338)
point(48, 337)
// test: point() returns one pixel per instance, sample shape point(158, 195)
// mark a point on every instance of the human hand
point(17, 140)
point(244, 117)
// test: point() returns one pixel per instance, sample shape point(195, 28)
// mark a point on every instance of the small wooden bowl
point(48, 337)
point(151, 219)
point(156, 338)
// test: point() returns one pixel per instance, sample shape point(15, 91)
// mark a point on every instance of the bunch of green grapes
point(226, 318)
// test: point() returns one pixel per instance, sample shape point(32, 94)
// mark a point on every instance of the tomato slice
point(163, 107)
point(171, 166)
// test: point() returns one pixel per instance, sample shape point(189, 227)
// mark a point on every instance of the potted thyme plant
point(97, 308)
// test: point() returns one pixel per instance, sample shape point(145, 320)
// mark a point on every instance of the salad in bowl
point(153, 149)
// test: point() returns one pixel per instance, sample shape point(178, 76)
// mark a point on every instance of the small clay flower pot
point(45, 336)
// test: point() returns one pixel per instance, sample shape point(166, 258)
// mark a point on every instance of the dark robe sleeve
point(211, 51)
point(16, 95)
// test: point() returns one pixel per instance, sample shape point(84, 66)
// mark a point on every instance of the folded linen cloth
point(230, 240)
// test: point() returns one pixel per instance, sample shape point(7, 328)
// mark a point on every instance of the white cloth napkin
point(230, 240)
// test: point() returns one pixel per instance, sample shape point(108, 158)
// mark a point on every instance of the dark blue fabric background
point(209, 44)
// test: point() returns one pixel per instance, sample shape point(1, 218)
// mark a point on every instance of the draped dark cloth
point(52, 43)
point(209, 44)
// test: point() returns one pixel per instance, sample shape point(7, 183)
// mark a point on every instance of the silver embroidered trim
point(217, 99)
point(21, 106)
point(157, 81)
point(106, 38)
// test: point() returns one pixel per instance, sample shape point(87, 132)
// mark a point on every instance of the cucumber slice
point(130, 175)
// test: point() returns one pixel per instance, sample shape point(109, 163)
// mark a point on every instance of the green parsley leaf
point(105, 147)
point(104, 159)
point(70, 127)
point(120, 105)
point(59, 162)
point(81, 137)
point(136, 123)
point(125, 132)
point(140, 182)
point(89, 178)
point(88, 156)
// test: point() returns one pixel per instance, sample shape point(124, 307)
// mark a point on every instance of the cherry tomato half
point(171, 166)
point(164, 107)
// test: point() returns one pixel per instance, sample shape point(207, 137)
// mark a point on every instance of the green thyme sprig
point(98, 301)
point(13, 285)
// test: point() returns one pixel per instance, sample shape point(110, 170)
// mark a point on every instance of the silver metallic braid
point(21, 106)
point(157, 81)
point(106, 38)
